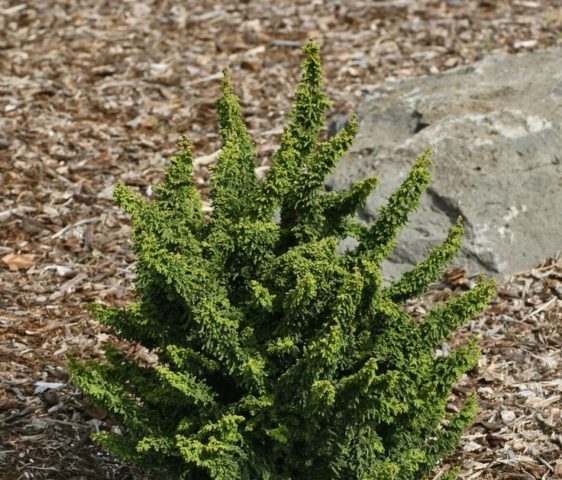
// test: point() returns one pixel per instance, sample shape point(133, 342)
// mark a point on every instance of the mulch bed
point(92, 92)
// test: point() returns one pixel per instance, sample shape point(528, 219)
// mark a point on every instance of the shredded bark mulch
point(95, 91)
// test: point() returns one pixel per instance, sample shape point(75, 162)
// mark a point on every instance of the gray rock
point(337, 124)
point(495, 132)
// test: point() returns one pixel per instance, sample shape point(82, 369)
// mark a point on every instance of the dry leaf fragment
point(16, 261)
point(472, 446)
point(455, 276)
point(525, 44)
point(498, 308)
point(507, 416)
point(41, 387)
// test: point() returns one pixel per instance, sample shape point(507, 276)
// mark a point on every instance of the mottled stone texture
point(495, 130)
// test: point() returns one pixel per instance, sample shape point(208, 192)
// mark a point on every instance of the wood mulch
point(92, 92)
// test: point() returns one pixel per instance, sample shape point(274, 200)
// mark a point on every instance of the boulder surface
point(495, 132)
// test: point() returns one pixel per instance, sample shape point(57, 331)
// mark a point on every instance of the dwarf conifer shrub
point(278, 357)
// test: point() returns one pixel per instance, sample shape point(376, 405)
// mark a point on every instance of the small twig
point(209, 78)
point(14, 211)
point(49, 171)
point(67, 286)
point(540, 309)
point(13, 10)
point(47, 469)
point(210, 15)
point(22, 413)
point(205, 159)
point(275, 131)
point(286, 43)
point(60, 233)
point(53, 421)
point(545, 463)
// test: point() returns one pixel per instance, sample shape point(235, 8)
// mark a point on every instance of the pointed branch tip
point(311, 47)
point(226, 82)
point(184, 143)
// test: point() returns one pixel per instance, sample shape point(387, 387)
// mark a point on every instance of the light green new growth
point(278, 357)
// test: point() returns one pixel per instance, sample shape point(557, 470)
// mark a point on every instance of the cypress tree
point(278, 357)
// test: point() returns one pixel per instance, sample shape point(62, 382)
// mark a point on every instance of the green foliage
point(278, 357)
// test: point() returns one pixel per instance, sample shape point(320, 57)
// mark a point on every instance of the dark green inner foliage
point(280, 358)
